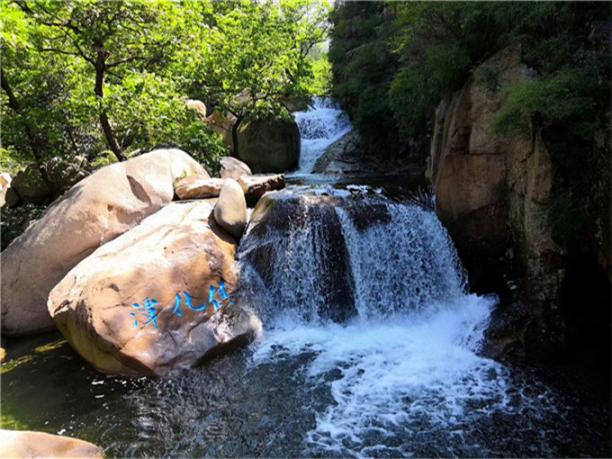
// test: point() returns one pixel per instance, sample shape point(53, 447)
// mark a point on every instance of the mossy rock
point(271, 145)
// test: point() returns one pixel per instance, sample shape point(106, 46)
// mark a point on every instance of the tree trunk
point(104, 122)
point(235, 127)
point(14, 105)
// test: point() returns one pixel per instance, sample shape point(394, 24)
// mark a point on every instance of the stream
point(371, 348)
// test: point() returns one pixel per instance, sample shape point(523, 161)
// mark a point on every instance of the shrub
point(559, 98)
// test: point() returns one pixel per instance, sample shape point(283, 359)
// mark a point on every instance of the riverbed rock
point(177, 253)
point(25, 443)
point(93, 212)
point(255, 186)
point(198, 187)
point(231, 208)
point(269, 145)
point(233, 168)
point(345, 156)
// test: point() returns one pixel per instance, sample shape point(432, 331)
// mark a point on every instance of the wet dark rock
point(280, 217)
point(368, 214)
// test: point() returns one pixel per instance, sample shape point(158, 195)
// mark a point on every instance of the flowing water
point(320, 126)
point(371, 348)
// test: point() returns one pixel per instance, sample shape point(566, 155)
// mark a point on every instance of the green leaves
point(255, 56)
point(393, 62)
point(135, 62)
point(560, 98)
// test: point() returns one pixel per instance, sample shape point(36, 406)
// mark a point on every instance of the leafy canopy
point(86, 77)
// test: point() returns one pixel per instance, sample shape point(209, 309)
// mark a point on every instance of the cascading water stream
point(320, 126)
point(372, 292)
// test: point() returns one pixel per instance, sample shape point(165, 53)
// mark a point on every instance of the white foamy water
point(405, 366)
point(320, 126)
point(390, 376)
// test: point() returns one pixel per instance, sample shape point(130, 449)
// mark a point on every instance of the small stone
point(255, 186)
point(198, 187)
point(231, 209)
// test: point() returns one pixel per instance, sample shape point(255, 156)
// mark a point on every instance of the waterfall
point(334, 255)
point(373, 291)
point(320, 126)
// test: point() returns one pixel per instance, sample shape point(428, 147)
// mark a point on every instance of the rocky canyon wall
point(494, 192)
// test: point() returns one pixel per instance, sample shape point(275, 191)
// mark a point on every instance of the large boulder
point(269, 145)
point(93, 212)
point(347, 155)
point(24, 443)
point(198, 187)
point(290, 233)
point(231, 209)
point(233, 168)
point(179, 253)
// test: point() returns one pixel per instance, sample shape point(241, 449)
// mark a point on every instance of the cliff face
point(494, 193)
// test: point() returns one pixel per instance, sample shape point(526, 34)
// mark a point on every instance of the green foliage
point(416, 90)
point(104, 158)
point(322, 77)
point(363, 65)
point(393, 62)
point(14, 221)
point(86, 77)
point(11, 161)
point(255, 56)
point(559, 98)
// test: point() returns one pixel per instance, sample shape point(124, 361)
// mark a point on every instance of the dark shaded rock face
point(269, 145)
point(292, 244)
point(495, 194)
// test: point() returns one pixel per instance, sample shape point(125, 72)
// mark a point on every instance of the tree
point(82, 77)
point(107, 36)
point(253, 57)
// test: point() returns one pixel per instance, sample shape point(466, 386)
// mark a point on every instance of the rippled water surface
point(298, 394)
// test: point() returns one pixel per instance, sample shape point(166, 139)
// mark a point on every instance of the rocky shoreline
point(144, 285)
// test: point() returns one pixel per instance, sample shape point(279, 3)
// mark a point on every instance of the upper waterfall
point(320, 126)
